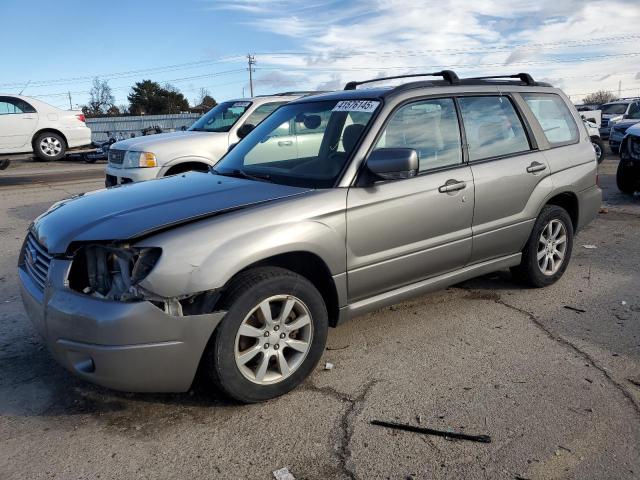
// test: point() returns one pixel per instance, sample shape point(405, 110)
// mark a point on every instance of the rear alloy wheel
point(546, 255)
point(271, 338)
point(50, 146)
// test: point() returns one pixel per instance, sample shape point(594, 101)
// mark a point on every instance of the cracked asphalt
point(556, 388)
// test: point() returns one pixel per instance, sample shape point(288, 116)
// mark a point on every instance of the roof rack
point(524, 77)
point(301, 92)
point(449, 75)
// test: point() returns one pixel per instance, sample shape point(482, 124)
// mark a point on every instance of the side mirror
point(393, 163)
point(245, 130)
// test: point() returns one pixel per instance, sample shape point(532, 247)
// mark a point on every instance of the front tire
point(49, 146)
point(546, 255)
point(271, 338)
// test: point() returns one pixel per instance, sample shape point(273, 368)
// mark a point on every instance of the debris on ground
point(337, 348)
point(430, 431)
point(283, 474)
point(575, 309)
point(328, 366)
point(603, 210)
point(589, 246)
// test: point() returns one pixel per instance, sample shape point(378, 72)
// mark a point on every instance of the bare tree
point(100, 98)
point(599, 97)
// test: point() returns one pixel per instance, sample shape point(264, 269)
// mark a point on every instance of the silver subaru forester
point(335, 205)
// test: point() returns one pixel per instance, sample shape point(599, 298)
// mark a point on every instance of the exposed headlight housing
point(615, 119)
point(134, 159)
point(112, 272)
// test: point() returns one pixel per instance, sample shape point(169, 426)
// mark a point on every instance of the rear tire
point(547, 253)
point(49, 146)
point(626, 178)
point(245, 355)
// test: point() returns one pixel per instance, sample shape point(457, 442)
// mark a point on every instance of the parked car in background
point(588, 107)
point(594, 135)
point(619, 129)
point(28, 125)
point(628, 174)
point(198, 148)
point(238, 272)
point(614, 112)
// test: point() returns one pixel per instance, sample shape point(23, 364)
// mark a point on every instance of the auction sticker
point(367, 106)
point(241, 104)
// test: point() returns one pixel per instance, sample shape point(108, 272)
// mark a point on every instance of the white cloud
point(337, 42)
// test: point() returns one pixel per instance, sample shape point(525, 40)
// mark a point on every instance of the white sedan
point(28, 125)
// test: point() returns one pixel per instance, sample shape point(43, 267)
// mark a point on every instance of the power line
point(393, 53)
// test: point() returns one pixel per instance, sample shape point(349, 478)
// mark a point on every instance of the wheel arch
point(176, 163)
point(44, 130)
point(308, 265)
point(569, 201)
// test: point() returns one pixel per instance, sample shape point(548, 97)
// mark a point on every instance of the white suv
point(198, 148)
point(29, 125)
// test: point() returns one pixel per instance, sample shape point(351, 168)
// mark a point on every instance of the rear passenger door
point(507, 169)
point(403, 231)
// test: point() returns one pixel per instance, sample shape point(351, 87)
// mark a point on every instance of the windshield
point(221, 117)
point(614, 109)
point(303, 144)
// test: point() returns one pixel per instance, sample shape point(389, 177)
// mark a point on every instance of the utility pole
point(70, 106)
point(619, 88)
point(252, 61)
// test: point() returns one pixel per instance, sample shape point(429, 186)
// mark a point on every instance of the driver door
point(403, 231)
point(279, 146)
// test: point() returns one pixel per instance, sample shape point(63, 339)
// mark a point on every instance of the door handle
point(28, 118)
point(452, 186)
point(284, 143)
point(536, 167)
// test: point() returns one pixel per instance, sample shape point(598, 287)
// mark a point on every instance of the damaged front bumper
point(130, 346)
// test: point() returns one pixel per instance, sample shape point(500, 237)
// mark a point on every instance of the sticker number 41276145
point(356, 106)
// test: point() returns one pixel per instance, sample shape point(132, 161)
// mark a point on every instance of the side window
point(492, 127)
point(634, 111)
point(554, 117)
point(430, 127)
point(262, 112)
point(9, 106)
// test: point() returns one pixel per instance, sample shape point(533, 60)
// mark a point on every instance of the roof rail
point(524, 77)
point(449, 75)
point(301, 92)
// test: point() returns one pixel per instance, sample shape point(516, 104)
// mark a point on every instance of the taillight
point(80, 116)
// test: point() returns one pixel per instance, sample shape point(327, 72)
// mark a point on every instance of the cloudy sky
point(581, 46)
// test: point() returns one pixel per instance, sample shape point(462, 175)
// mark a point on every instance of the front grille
point(604, 122)
point(116, 156)
point(36, 261)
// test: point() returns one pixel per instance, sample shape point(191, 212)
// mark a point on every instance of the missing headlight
point(112, 272)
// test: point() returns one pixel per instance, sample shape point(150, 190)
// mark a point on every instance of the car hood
point(166, 140)
point(634, 130)
point(626, 123)
point(134, 210)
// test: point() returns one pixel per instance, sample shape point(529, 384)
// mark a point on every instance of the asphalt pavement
point(551, 375)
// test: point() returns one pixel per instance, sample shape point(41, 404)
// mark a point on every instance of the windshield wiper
point(237, 173)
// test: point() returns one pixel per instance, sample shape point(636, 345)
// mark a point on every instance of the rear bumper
point(133, 346)
point(77, 136)
point(589, 201)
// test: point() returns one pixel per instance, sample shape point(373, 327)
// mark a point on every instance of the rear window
point(554, 117)
point(492, 127)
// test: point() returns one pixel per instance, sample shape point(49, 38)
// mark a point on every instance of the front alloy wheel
point(271, 338)
point(274, 339)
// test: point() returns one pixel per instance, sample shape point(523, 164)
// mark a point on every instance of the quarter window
point(431, 128)
point(492, 127)
point(554, 117)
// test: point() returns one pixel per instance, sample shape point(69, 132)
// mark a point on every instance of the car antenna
point(23, 88)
